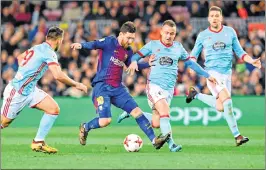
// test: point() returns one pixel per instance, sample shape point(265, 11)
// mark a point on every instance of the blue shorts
point(104, 95)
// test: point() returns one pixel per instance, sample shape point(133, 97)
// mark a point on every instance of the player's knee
point(55, 110)
point(136, 112)
point(5, 124)
point(104, 121)
point(155, 124)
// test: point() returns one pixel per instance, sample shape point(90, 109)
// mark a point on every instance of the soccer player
point(219, 42)
point(22, 90)
point(162, 77)
point(108, 88)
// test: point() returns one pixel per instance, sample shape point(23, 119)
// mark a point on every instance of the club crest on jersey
point(126, 56)
point(166, 61)
point(218, 46)
point(100, 100)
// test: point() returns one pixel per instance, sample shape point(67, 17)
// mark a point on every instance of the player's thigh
point(154, 94)
point(13, 103)
point(155, 119)
point(162, 107)
point(102, 103)
point(123, 100)
point(48, 105)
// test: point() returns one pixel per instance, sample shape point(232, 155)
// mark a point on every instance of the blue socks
point(230, 117)
point(145, 126)
point(46, 124)
point(93, 124)
point(148, 116)
point(207, 99)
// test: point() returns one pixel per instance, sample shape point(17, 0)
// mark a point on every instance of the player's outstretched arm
point(97, 44)
point(62, 77)
point(199, 70)
point(250, 60)
point(144, 65)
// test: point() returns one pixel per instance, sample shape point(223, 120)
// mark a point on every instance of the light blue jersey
point(218, 49)
point(164, 73)
point(33, 67)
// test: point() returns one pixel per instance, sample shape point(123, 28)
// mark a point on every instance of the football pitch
point(203, 147)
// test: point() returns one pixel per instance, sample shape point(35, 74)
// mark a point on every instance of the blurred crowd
point(24, 24)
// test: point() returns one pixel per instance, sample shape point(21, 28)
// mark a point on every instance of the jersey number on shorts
point(29, 54)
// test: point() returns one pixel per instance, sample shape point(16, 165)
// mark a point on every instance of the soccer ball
point(133, 143)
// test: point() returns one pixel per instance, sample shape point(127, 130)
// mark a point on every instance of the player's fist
point(151, 60)
point(132, 68)
point(76, 46)
point(256, 63)
point(81, 87)
point(213, 80)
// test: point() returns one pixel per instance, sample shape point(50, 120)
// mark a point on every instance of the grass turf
point(203, 147)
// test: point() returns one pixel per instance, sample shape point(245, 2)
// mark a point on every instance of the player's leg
point(226, 103)
point(102, 104)
point(46, 103)
point(160, 100)
point(123, 100)
point(164, 111)
point(207, 99)
point(125, 115)
point(13, 103)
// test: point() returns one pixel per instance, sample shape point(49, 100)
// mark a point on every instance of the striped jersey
point(33, 67)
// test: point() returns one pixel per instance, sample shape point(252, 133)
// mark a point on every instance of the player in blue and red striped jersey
point(108, 87)
point(219, 42)
point(22, 90)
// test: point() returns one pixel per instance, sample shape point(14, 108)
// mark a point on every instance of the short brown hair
point(170, 23)
point(54, 33)
point(216, 8)
point(128, 27)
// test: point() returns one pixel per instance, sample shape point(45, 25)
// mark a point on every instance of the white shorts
point(224, 81)
point(156, 93)
point(14, 102)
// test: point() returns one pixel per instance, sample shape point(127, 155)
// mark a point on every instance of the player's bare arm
point(76, 46)
point(254, 62)
point(62, 77)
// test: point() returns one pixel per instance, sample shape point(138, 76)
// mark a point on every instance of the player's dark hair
point(128, 27)
point(54, 33)
point(216, 8)
point(170, 23)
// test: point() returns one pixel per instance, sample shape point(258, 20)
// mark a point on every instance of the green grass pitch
point(203, 147)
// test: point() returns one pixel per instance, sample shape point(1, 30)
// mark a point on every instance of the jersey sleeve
point(197, 47)
point(51, 58)
point(146, 50)
point(96, 44)
point(184, 53)
point(237, 47)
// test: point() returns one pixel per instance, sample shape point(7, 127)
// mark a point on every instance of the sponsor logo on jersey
point(117, 62)
point(101, 39)
point(218, 46)
point(166, 61)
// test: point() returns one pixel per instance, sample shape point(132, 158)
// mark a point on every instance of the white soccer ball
point(133, 143)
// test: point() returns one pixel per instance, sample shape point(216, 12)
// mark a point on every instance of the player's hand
point(81, 87)
point(76, 46)
point(132, 68)
point(213, 80)
point(256, 63)
point(151, 60)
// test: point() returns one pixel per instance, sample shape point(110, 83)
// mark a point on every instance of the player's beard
point(57, 48)
point(125, 45)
